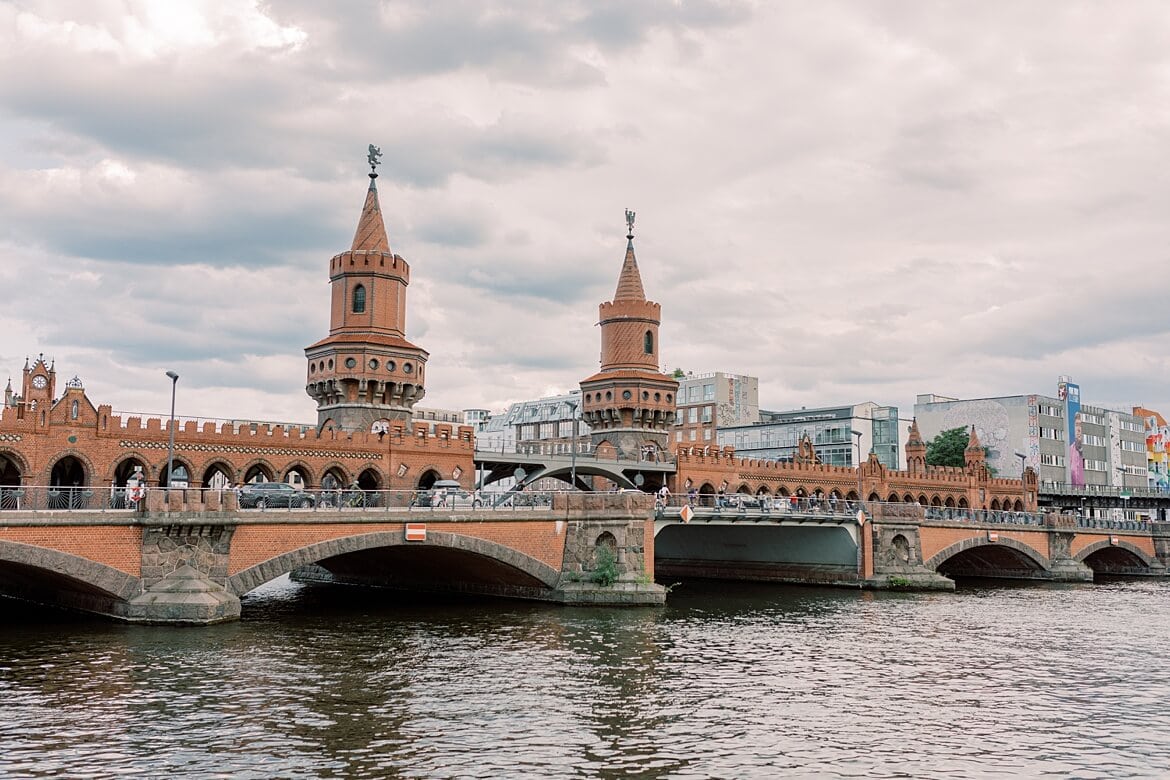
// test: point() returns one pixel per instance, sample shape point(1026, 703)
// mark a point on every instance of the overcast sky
point(853, 201)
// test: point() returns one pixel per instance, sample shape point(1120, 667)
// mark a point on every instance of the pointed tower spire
point(371, 230)
point(974, 454)
point(629, 287)
point(915, 449)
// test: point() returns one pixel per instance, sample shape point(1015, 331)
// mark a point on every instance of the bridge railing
point(778, 506)
point(95, 498)
point(719, 503)
point(562, 449)
point(60, 498)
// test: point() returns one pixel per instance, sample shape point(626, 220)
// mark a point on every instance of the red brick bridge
point(188, 562)
point(185, 562)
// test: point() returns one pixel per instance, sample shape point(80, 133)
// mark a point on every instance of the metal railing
point(562, 449)
point(93, 498)
point(86, 498)
point(716, 505)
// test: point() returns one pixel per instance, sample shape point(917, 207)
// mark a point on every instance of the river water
point(726, 681)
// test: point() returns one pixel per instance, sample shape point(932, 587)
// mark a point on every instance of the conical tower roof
point(973, 444)
point(915, 437)
point(371, 230)
point(629, 286)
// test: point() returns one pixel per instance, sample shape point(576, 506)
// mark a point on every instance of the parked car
point(449, 493)
point(265, 494)
point(740, 501)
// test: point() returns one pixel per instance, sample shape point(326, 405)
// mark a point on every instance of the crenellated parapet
point(711, 469)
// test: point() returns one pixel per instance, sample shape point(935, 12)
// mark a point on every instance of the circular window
point(407, 368)
point(350, 362)
point(645, 396)
point(668, 400)
point(390, 365)
point(374, 363)
point(312, 368)
point(658, 396)
point(608, 396)
point(626, 394)
point(330, 364)
point(588, 397)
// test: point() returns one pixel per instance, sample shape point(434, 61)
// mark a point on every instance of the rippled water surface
point(726, 681)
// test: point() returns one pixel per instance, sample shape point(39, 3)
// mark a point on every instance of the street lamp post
point(1023, 462)
point(171, 445)
point(857, 441)
point(573, 451)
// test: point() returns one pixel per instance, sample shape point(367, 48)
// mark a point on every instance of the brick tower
point(365, 375)
point(629, 404)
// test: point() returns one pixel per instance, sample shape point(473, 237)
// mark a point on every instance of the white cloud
point(853, 201)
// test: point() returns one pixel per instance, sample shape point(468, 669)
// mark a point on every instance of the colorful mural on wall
point(1157, 459)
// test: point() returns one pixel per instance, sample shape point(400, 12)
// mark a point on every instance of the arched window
point(359, 299)
point(648, 343)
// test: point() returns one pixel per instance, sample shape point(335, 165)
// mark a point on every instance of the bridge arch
point(217, 473)
point(1019, 551)
point(123, 468)
point(302, 470)
point(71, 468)
point(370, 478)
point(429, 476)
point(183, 469)
point(1116, 557)
point(258, 470)
point(539, 573)
point(49, 570)
point(13, 467)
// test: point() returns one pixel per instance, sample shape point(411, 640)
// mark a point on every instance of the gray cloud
point(853, 201)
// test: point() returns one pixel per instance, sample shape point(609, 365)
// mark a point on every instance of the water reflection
point(725, 681)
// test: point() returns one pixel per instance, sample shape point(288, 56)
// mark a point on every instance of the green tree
point(678, 373)
point(946, 449)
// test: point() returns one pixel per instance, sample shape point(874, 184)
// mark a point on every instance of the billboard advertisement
point(1071, 395)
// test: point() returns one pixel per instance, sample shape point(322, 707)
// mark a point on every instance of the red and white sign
point(416, 532)
point(1112, 540)
point(686, 513)
point(993, 536)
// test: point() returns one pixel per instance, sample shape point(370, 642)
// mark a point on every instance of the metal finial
point(375, 160)
point(630, 223)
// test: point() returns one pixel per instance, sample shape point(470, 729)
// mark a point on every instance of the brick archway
point(95, 577)
point(14, 465)
point(255, 576)
point(1121, 544)
point(945, 554)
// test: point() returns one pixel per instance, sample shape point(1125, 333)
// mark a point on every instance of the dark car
point(266, 494)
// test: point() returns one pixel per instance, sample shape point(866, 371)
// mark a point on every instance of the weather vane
point(630, 223)
point(375, 159)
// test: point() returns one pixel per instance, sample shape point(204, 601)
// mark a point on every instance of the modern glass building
point(836, 433)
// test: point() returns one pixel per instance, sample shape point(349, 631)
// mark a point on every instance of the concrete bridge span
point(900, 546)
